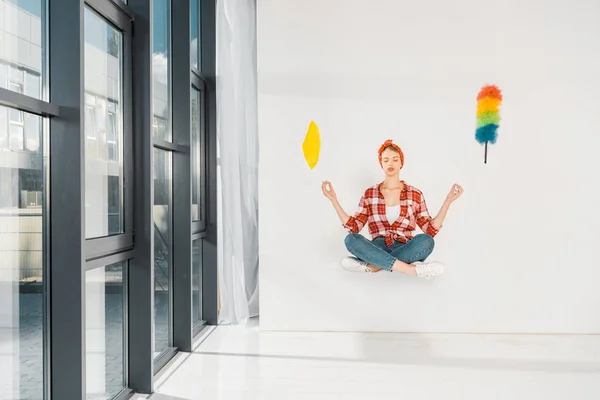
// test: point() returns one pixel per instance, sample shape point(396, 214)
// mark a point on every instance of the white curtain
point(237, 131)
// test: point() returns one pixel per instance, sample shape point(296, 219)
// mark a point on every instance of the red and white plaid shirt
point(413, 212)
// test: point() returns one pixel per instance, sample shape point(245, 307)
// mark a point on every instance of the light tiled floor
point(245, 363)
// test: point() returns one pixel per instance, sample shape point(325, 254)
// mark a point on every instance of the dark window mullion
point(209, 249)
point(19, 101)
point(197, 81)
point(109, 159)
point(182, 181)
point(114, 11)
point(170, 146)
point(106, 246)
point(141, 271)
point(67, 356)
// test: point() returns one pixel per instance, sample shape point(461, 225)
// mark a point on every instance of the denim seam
point(391, 264)
point(418, 256)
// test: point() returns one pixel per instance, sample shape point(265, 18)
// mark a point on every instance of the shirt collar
point(404, 188)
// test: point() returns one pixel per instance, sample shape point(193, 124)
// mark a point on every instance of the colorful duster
point(488, 115)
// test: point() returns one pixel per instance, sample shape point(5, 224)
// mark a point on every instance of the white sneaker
point(429, 269)
point(354, 265)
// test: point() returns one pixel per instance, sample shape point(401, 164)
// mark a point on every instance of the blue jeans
point(377, 253)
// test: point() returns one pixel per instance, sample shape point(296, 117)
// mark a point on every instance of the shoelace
point(426, 270)
point(358, 266)
point(362, 267)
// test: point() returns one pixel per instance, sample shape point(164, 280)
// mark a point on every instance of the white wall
point(521, 245)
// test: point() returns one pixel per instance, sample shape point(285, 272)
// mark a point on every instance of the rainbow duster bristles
point(488, 115)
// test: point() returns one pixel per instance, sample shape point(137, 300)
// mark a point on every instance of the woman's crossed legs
point(375, 255)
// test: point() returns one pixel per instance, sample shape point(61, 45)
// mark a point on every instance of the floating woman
point(392, 210)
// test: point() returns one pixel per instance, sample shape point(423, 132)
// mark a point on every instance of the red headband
point(388, 143)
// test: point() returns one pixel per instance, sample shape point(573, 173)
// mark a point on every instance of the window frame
point(120, 20)
point(125, 259)
point(172, 150)
point(103, 251)
point(199, 85)
point(197, 70)
point(61, 106)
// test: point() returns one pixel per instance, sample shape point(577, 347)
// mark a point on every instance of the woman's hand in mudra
point(328, 191)
point(455, 193)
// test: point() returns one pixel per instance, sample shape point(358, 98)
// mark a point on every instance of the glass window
point(90, 126)
point(26, 79)
point(32, 7)
point(21, 43)
point(15, 87)
point(197, 280)
point(15, 136)
point(197, 159)
point(16, 116)
point(195, 34)
point(3, 127)
point(112, 132)
point(100, 124)
point(160, 128)
point(32, 133)
point(22, 276)
point(33, 85)
point(105, 334)
point(111, 137)
point(16, 79)
point(3, 73)
point(161, 67)
point(103, 128)
point(162, 249)
point(15, 84)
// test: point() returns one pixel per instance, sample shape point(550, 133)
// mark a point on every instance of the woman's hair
point(389, 145)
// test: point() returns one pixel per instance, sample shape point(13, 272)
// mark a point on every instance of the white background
point(520, 245)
